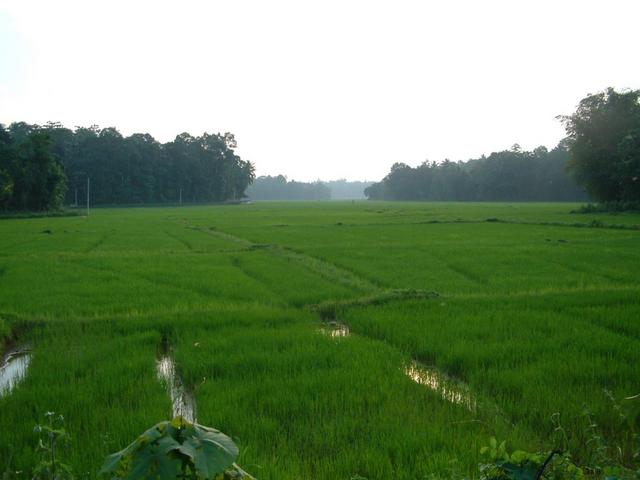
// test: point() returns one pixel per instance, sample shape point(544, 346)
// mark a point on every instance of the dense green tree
point(7, 158)
point(604, 142)
point(450, 181)
point(377, 191)
point(123, 170)
point(6, 188)
point(502, 176)
point(31, 178)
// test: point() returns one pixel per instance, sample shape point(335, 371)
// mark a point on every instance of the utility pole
point(181, 196)
point(76, 202)
point(88, 185)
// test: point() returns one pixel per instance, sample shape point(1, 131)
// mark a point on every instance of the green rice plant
point(536, 312)
point(611, 456)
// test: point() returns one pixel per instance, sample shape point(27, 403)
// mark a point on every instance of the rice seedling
point(328, 340)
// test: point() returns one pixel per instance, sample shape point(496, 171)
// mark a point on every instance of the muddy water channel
point(183, 402)
point(448, 388)
point(13, 368)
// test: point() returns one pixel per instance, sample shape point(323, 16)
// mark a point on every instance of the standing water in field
point(183, 402)
point(13, 369)
point(449, 389)
point(335, 330)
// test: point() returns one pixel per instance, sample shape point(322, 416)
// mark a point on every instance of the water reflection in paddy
point(448, 388)
point(13, 369)
point(182, 401)
point(335, 330)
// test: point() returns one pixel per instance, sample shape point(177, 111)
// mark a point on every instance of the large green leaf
point(154, 461)
point(163, 450)
point(112, 462)
point(212, 451)
point(147, 456)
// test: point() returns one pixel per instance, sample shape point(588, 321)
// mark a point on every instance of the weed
point(52, 438)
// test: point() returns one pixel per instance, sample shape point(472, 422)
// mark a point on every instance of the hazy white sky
point(322, 89)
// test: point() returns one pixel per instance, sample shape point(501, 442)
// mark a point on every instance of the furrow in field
point(590, 225)
point(593, 224)
point(545, 291)
point(325, 269)
point(97, 243)
point(330, 308)
point(179, 240)
point(468, 275)
point(617, 330)
point(576, 268)
point(226, 236)
point(598, 316)
point(152, 281)
point(237, 263)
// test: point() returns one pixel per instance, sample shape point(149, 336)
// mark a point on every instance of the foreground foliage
point(176, 449)
point(53, 439)
point(521, 465)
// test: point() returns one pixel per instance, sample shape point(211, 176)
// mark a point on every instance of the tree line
point(599, 159)
point(44, 167)
point(510, 175)
point(122, 170)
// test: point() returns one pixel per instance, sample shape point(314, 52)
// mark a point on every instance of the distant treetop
point(123, 170)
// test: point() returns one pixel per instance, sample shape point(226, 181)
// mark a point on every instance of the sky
point(318, 89)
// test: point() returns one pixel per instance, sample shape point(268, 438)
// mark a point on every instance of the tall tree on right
point(604, 145)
